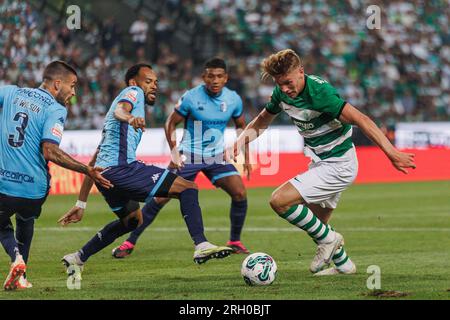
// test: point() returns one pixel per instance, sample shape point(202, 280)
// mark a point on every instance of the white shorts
point(325, 180)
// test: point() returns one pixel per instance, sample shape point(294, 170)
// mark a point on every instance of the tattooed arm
point(54, 154)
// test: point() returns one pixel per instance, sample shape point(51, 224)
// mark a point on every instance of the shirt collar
point(45, 91)
point(212, 95)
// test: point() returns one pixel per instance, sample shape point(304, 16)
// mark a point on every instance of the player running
point(134, 181)
point(205, 111)
point(324, 120)
point(31, 127)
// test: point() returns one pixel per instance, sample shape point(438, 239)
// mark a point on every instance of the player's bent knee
point(180, 185)
point(239, 195)
point(192, 185)
point(161, 201)
point(189, 185)
point(276, 202)
point(132, 222)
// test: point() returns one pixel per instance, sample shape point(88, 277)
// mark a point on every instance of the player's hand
point(95, 174)
point(74, 215)
point(137, 123)
point(247, 170)
point(177, 159)
point(401, 161)
point(236, 150)
point(231, 153)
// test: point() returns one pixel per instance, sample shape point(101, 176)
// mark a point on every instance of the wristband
point(80, 204)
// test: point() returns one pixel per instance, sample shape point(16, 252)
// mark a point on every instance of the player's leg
point(7, 238)
point(130, 216)
point(9, 243)
point(234, 186)
point(289, 204)
point(24, 236)
point(27, 212)
point(187, 192)
point(149, 213)
point(343, 263)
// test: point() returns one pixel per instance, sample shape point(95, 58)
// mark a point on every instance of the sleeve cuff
point(50, 141)
point(128, 101)
point(271, 112)
point(180, 113)
point(340, 109)
point(240, 114)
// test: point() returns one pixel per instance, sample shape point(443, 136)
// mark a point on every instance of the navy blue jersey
point(28, 117)
point(206, 119)
point(120, 140)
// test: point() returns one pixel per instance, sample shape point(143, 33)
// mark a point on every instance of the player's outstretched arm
point(54, 154)
point(123, 113)
point(240, 126)
point(170, 128)
point(253, 130)
point(75, 214)
point(400, 160)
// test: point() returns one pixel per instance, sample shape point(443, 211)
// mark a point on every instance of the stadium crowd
point(398, 73)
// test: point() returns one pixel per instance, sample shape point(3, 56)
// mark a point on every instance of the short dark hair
point(216, 63)
point(57, 69)
point(134, 71)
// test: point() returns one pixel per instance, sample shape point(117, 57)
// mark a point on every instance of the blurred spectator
point(110, 34)
point(138, 31)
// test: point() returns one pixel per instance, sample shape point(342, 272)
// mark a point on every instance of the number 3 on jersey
point(22, 118)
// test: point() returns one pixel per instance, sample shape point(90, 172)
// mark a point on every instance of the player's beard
point(148, 102)
point(62, 98)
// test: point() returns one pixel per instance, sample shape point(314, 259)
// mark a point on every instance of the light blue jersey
point(28, 117)
point(120, 140)
point(206, 119)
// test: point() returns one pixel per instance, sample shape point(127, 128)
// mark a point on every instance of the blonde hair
point(280, 63)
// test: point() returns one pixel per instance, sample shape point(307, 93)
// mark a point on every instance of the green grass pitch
point(402, 228)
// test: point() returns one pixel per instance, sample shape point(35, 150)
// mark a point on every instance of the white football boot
point(325, 252)
point(74, 265)
point(335, 270)
point(205, 251)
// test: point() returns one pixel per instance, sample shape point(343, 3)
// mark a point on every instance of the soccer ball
point(259, 269)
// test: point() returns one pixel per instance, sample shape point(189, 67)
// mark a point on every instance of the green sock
point(305, 219)
point(341, 259)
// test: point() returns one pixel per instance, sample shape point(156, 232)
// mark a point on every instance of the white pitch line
point(251, 229)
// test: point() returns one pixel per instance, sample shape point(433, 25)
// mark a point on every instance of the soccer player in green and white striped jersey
point(325, 121)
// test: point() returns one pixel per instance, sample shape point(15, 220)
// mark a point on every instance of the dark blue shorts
point(25, 209)
point(212, 171)
point(135, 182)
